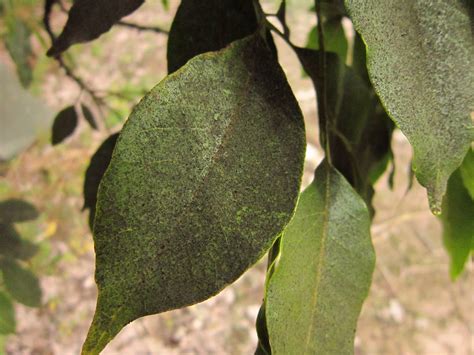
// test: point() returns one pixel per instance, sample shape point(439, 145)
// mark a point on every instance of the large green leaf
point(420, 60)
point(7, 315)
point(458, 219)
point(205, 174)
point(324, 271)
point(21, 283)
point(203, 26)
point(88, 19)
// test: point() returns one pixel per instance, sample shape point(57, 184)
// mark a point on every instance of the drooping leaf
point(21, 283)
point(94, 173)
point(88, 19)
point(420, 60)
point(205, 174)
point(467, 172)
point(324, 271)
point(89, 116)
point(203, 26)
point(11, 244)
point(16, 210)
point(17, 42)
point(458, 220)
point(64, 125)
point(7, 315)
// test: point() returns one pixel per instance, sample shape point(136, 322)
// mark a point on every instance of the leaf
point(203, 26)
point(64, 125)
point(17, 42)
point(12, 245)
point(281, 16)
point(21, 283)
point(7, 315)
point(89, 117)
point(467, 172)
point(94, 173)
point(15, 210)
point(420, 60)
point(458, 220)
point(324, 271)
point(166, 4)
point(204, 176)
point(88, 19)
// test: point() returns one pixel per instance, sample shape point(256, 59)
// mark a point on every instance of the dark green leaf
point(89, 117)
point(15, 210)
point(335, 40)
point(7, 315)
point(458, 220)
point(204, 176)
point(203, 26)
point(21, 283)
point(263, 345)
point(88, 19)
point(17, 42)
point(64, 125)
point(420, 60)
point(94, 173)
point(323, 275)
point(13, 246)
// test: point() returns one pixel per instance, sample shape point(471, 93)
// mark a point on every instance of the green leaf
point(458, 220)
point(99, 163)
point(204, 176)
point(89, 117)
point(203, 26)
point(324, 271)
point(15, 211)
point(334, 38)
point(21, 283)
point(17, 42)
point(13, 246)
point(467, 172)
point(88, 19)
point(64, 125)
point(166, 4)
point(420, 60)
point(7, 315)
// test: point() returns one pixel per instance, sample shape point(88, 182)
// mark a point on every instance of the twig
point(142, 27)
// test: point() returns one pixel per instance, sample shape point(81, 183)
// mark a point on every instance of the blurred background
point(413, 306)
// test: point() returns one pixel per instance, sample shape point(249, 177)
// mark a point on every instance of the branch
point(142, 27)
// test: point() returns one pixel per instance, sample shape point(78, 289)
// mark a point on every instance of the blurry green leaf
point(7, 315)
point(166, 4)
point(15, 210)
point(88, 116)
point(22, 116)
point(17, 42)
point(13, 246)
point(324, 272)
point(21, 283)
point(204, 176)
point(97, 167)
point(88, 19)
point(420, 60)
point(64, 125)
point(458, 221)
point(203, 26)
point(334, 39)
point(467, 172)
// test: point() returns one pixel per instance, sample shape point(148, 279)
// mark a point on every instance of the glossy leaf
point(7, 315)
point(420, 60)
point(21, 283)
point(94, 173)
point(324, 270)
point(89, 116)
point(458, 220)
point(16, 210)
point(64, 125)
point(205, 174)
point(203, 26)
point(88, 19)
point(17, 42)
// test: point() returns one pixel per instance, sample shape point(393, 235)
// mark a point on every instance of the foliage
point(204, 176)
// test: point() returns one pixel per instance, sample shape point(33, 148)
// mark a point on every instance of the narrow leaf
point(458, 220)
point(324, 271)
point(204, 176)
point(203, 26)
point(99, 163)
point(17, 42)
point(420, 60)
point(21, 283)
point(64, 125)
point(16, 210)
point(89, 116)
point(88, 19)
point(7, 315)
